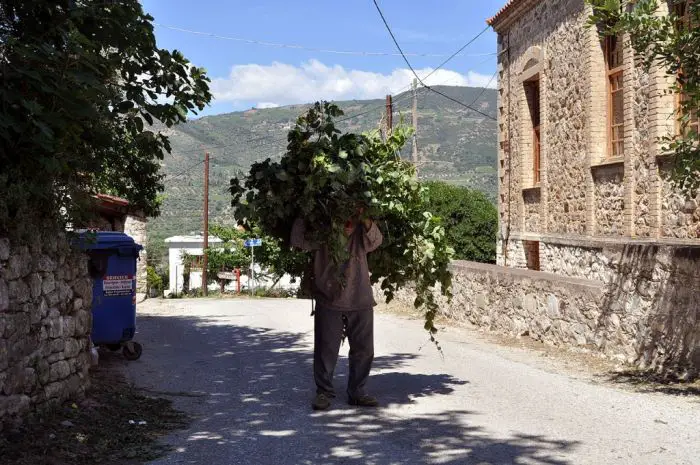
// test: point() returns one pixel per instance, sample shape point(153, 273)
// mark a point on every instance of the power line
point(408, 63)
point(190, 168)
point(312, 49)
point(451, 56)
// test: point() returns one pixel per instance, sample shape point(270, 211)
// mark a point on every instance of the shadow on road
point(256, 385)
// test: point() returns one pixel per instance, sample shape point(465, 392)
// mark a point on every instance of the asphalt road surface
point(242, 369)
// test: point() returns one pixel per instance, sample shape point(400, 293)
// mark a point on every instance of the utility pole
point(205, 261)
point(414, 115)
point(389, 113)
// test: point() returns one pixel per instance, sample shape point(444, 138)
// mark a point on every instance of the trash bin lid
point(106, 240)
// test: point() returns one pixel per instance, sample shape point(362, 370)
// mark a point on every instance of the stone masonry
point(45, 322)
point(135, 226)
point(639, 307)
point(613, 245)
point(584, 191)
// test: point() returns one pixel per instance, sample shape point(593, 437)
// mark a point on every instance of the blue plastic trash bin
point(112, 266)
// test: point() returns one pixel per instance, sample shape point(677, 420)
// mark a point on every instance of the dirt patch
point(115, 425)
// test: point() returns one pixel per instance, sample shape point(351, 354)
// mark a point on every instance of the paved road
point(249, 365)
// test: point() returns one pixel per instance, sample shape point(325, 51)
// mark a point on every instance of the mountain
point(455, 144)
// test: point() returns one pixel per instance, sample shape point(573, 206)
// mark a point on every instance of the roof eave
point(510, 13)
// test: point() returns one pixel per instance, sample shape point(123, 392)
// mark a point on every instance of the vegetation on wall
point(470, 220)
point(671, 42)
point(82, 83)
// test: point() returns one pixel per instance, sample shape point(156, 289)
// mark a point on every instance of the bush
point(470, 220)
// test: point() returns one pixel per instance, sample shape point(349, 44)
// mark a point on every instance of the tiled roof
point(113, 199)
point(505, 10)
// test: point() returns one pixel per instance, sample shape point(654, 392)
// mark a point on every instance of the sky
point(246, 75)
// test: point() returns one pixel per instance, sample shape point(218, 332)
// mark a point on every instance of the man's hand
point(349, 228)
point(368, 223)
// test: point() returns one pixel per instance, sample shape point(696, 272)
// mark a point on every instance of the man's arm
point(297, 238)
point(372, 237)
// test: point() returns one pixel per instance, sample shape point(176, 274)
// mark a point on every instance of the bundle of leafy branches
point(324, 177)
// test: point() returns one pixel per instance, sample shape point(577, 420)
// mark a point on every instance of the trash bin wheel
point(114, 347)
point(132, 350)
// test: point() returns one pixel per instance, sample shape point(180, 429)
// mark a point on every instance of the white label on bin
point(118, 285)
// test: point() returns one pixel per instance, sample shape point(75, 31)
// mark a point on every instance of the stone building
point(580, 164)
point(115, 214)
point(585, 201)
point(598, 251)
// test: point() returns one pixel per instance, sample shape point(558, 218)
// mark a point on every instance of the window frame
point(616, 147)
point(533, 94)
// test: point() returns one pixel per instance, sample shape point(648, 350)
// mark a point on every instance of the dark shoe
point(363, 401)
point(321, 402)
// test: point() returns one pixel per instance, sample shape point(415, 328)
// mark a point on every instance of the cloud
point(287, 84)
point(267, 105)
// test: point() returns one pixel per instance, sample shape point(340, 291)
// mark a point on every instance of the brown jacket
point(357, 293)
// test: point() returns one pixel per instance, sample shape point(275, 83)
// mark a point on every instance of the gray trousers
point(328, 332)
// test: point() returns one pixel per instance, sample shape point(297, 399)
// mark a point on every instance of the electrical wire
point(186, 170)
point(312, 49)
point(408, 63)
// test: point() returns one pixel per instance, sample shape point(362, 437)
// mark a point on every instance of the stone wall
point(680, 215)
point(135, 227)
point(640, 305)
point(45, 321)
point(609, 201)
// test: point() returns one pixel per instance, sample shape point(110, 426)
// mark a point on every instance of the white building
point(194, 246)
point(190, 245)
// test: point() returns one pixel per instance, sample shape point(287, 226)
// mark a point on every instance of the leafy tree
point(471, 221)
point(274, 260)
point(672, 43)
point(325, 176)
point(153, 281)
point(82, 83)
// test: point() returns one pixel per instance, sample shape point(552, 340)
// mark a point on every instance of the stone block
point(55, 391)
point(52, 299)
point(64, 292)
point(83, 289)
point(19, 265)
point(19, 291)
point(4, 356)
point(4, 296)
point(530, 304)
point(59, 370)
point(77, 304)
point(68, 326)
point(14, 381)
point(30, 380)
point(45, 263)
point(481, 301)
point(4, 249)
point(55, 325)
point(48, 284)
point(53, 358)
point(553, 310)
point(35, 285)
point(72, 348)
point(43, 371)
point(83, 322)
point(57, 345)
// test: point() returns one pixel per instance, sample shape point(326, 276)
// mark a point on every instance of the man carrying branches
point(344, 301)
